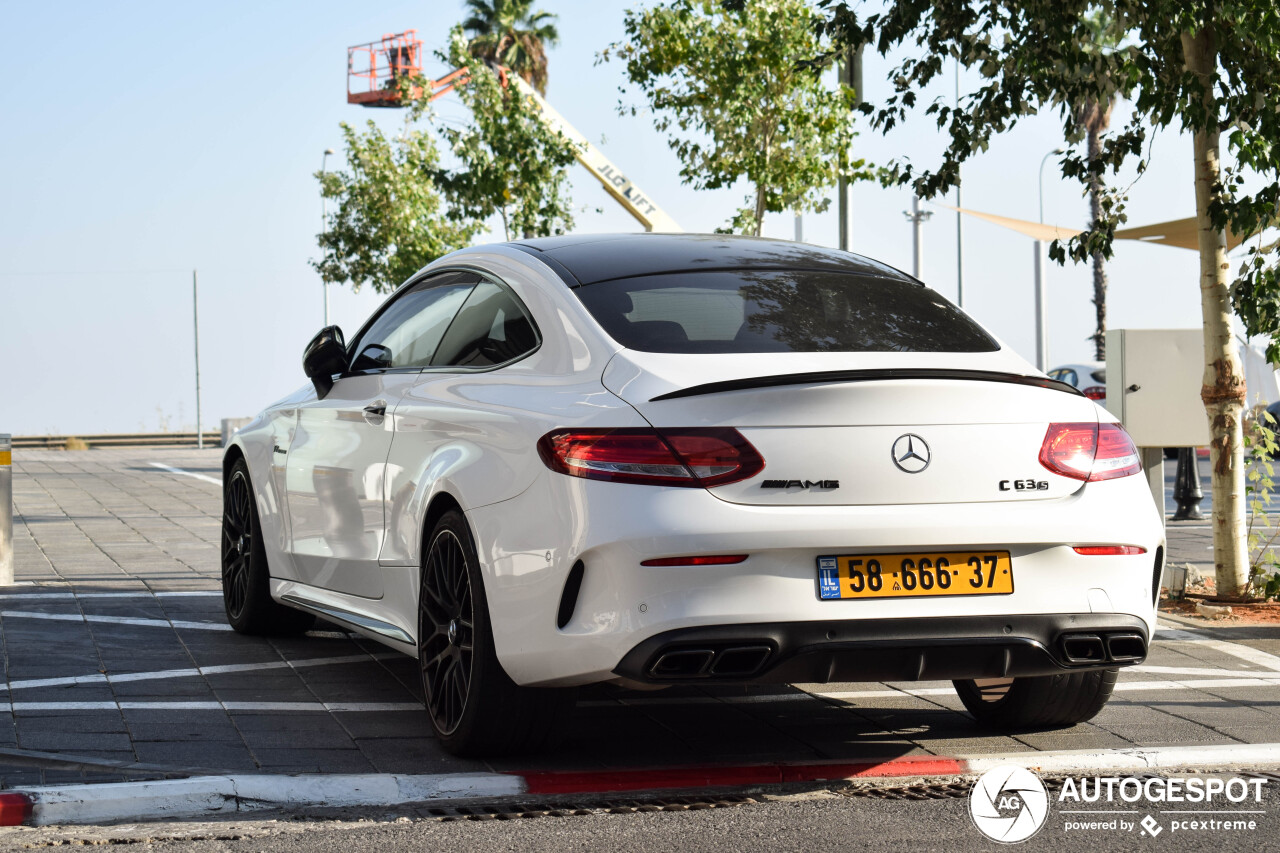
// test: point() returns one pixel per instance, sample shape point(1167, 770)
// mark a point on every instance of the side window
point(492, 328)
point(408, 330)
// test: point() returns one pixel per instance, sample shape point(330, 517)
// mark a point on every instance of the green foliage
point(398, 208)
point(1036, 55)
point(512, 164)
point(1261, 449)
point(391, 218)
point(732, 92)
point(511, 34)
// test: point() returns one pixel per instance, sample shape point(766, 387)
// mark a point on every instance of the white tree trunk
point(1223, 390)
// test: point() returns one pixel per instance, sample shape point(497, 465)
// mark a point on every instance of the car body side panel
point(475, 437)
point(273, 427)
point(473, 434)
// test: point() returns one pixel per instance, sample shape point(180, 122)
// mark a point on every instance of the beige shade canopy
point(1179, 232)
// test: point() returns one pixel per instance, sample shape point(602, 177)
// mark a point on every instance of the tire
point(474, 706)
point(1038, 702)
point(246, 591)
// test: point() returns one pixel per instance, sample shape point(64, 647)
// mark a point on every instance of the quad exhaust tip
point(1094, 648)
point(729, 662)
point(1126, 647)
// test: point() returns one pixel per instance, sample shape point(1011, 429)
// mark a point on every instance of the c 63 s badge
point(1024, 485)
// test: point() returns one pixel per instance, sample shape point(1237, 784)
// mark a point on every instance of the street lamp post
point(324, 226)
point(917, 217)
point(1042, 334)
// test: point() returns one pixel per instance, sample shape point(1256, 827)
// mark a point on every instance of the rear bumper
point(925, 649)
point(529, 545)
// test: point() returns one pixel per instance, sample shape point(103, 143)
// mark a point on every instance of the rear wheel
point(246, 593)
point(1037, 702)
point(475, 707)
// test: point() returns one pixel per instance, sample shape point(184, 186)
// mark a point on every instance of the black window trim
point(484, 275)
point(397, 294)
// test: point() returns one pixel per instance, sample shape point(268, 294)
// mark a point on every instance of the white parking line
point(172, 470)
point(115, 620)
point(285, 707)
point(1246, 680)
point(1247, 653)
point(223, 669)
point(69, 596)
point(1195, 670)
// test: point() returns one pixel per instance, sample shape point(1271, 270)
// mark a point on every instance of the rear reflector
point(1089, 451)
point(693, 457)
point(15, 809)
point(1108, 550)
point(720, 560)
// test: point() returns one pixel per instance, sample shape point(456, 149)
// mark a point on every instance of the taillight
point(1096, 392)
point(692, 457)
point(717, 560)
point(1109, 550)
point(1088, 451)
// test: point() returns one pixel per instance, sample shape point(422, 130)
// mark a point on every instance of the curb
point(206, 796)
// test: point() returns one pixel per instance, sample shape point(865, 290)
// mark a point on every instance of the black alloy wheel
point(446, 645)
point(474, 706)
point(246, 581)
point(237, 543)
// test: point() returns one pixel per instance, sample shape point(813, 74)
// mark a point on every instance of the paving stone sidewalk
point(119, 663)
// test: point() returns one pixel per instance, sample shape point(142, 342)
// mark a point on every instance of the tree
point(512, 163)
point(391, 217)
point(1095, 117)
point(510, 34)
point(399, 209)
point(1202, 67)
point(731, 90)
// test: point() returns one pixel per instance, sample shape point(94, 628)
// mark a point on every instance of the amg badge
point(800, 484)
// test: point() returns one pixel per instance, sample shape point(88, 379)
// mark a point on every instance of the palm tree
point(1095, 117)
point(510, 33)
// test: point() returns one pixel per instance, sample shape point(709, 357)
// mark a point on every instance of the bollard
point(1186, 486)
point(6, 510)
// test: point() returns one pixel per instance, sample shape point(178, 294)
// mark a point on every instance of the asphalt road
point(116, 652)
point(818, 821)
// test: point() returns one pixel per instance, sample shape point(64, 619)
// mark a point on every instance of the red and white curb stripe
point(207, 796)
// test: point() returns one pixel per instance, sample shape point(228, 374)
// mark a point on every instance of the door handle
point(376, 409)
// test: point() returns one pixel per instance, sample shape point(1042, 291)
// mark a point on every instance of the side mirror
point(325, 356)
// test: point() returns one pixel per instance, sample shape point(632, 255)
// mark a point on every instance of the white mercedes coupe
point(655, 459)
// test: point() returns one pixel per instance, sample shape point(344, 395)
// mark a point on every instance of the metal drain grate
point(517, 811)
point(940, 791)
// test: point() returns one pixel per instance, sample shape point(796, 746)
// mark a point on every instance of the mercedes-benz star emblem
point(911, 453)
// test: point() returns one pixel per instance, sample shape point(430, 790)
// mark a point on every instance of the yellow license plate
point(915, 575)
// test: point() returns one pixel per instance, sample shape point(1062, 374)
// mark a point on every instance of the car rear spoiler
point(876, 375)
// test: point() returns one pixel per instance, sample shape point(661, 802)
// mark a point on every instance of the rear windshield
point(779, 311)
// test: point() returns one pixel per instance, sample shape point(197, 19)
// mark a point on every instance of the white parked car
point(1090, 377)
point(675, 459)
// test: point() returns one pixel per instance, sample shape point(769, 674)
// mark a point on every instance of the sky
point(150, 139)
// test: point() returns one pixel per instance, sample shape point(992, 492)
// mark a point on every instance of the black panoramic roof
point(591, 258)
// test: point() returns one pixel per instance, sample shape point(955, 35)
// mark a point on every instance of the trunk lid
point(865, 428)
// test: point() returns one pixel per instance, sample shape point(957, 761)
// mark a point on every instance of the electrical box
point(1153, 385)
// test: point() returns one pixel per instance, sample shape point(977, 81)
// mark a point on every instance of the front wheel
point(474, 706)
point(246, 583)
point(1037, 702)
